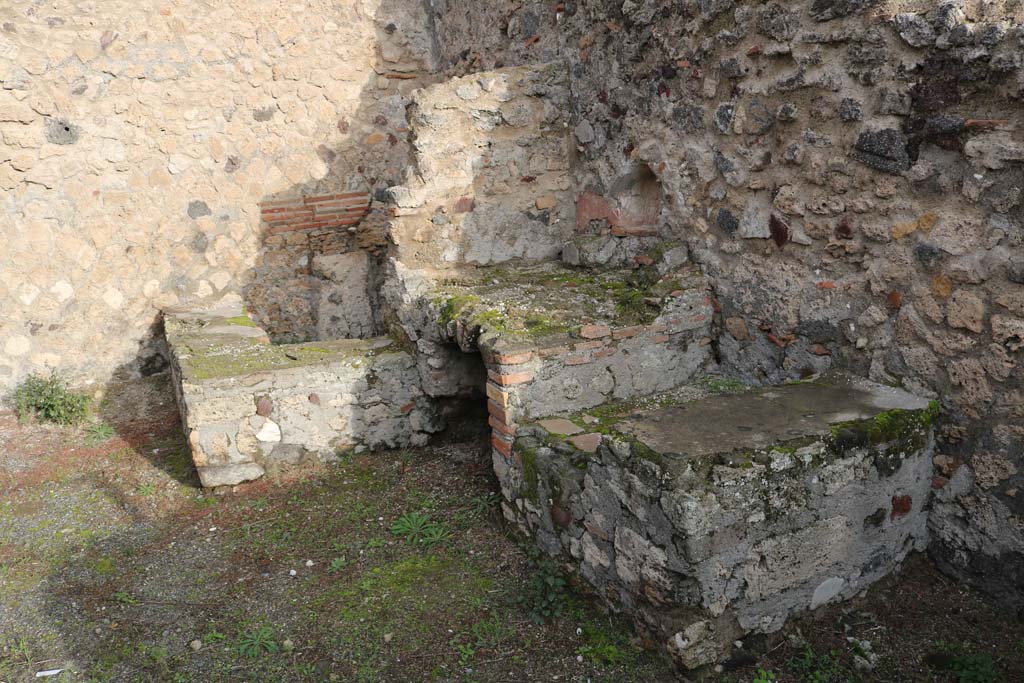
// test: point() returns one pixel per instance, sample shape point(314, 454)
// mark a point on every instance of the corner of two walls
point(851, 177)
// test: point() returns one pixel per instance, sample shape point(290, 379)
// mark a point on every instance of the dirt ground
point(115, 566)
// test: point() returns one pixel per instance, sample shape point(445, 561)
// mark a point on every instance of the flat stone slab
point(560, 426)
point(227, 343)
point(587, 443)
point(759, 418)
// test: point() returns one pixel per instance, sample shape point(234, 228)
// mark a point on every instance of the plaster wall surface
point(137, 140)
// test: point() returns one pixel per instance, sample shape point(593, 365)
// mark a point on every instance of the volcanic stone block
point(883, 150)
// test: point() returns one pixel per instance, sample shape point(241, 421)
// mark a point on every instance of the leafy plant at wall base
point(810, 667)
point(544, 597)
point(482, 505)
point(968, 667)
point(48, 399)
point(976, 668)
point(434, 535)
point(764, 676)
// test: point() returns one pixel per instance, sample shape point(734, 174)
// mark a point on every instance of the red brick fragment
point(497, 411)
point(594, 331)
point(264, 406)
point(626, 332)
point(500, 445)
point(901, 506)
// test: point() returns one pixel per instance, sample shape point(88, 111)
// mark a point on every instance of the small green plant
point(466, 653)
point(544, 596)
point(105, 566)
point(411, 526)
point(605, 653)
point(487, 634)
point(48, 399)
point(490, 633)
point(764, 676)
point(147, 489)
point(21, 653)
point(258, 642)
point(976, 668)
point(125, 598)
point(811, 667)
point(420, 529)
point(405, 456)
point(605, 644)
point(435, 535)
point(214, 636)
point(98, 433)
point(337, 564)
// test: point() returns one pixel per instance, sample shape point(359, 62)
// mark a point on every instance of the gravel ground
point(115, 566)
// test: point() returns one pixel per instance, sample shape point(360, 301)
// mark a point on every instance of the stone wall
point(491, 178)
point(716, 511)
point(850, 175)
point(137, 140)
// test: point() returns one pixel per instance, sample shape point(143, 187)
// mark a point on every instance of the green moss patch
point(243, 320)
point(241, 358)
point(546, 300)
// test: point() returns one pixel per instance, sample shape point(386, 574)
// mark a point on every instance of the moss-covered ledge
point(719, 421)
point(547, 303)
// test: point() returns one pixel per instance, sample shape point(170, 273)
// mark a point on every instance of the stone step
point(554, 337)
point(717, 510)
point(248, 405)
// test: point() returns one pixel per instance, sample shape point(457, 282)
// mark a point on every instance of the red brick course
point(497, 411)
point(595, 331)
point(498, 395)
point(310, 213)
point(510, 358)
point(509, 379)
point(500, 426)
